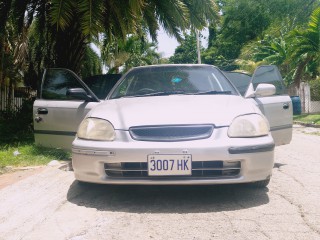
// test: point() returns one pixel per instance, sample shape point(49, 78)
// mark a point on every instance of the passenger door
point(277, 108)
point(58, 111)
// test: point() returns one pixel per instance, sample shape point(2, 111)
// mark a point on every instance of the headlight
point(96, 129)
point(253, 125)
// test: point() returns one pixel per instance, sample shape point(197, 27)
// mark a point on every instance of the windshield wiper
point(212, 93)
point(177, 93)
point(155, 94)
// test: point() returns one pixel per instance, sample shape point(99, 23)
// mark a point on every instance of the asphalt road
point(52, 205)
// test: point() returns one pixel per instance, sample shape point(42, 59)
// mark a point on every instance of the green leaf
point(61, 13)
point(91, 18)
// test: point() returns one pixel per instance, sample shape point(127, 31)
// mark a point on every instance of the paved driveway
point(51, 205)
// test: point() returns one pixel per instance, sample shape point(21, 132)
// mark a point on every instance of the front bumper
point(254, 155)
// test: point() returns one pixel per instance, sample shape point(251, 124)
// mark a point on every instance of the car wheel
point(83, 184)
point(261, 184)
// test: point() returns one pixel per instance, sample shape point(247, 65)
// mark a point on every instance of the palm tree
point(77, 22)
point(271, 50)
point(140, 51)
point(65, 27)
point(134, 51)
point(306, 46)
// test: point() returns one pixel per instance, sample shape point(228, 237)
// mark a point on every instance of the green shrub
point(17, 125)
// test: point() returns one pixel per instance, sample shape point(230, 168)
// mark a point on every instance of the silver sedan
point(182, 124)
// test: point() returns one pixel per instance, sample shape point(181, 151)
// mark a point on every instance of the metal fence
point(11, 100)
point(310, 103)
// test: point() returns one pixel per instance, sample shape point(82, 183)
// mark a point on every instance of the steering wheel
point(145, 90)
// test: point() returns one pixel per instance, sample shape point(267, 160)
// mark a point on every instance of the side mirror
point(262, 90)
point(79, 94)
point(265, 90)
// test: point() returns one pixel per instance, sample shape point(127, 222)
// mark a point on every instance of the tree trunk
point(10, 97)
point(299, 72)
point(1, 63)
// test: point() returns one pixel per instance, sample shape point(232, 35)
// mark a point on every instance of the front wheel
point(84, 184)
point(261, 184)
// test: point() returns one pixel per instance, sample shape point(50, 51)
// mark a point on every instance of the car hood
point(219, 110)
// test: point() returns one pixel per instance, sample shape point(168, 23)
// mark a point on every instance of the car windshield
point(173, 80)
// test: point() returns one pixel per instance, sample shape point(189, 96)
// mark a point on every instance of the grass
point(27, 154)
point(308, 118)
point(22, 142)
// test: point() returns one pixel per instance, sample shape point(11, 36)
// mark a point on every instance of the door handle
point(38, 119)
point(42, 111)
point(286, 106)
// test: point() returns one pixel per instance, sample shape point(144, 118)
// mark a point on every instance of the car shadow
point(278, 165)
point(166, 199)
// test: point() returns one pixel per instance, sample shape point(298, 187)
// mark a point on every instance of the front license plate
point(169, 165)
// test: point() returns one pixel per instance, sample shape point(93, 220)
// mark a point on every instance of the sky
point(167, 45)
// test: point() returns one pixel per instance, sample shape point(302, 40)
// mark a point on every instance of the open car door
point(277, 107)
point(63, 102)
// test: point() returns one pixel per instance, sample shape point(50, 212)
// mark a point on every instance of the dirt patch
point(307, 130)
point(10, 175)
point(16, 175)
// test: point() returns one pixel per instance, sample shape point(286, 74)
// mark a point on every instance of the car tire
point(261, 184)
point(83, 184)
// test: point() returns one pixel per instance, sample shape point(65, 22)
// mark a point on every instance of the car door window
point(57, 82)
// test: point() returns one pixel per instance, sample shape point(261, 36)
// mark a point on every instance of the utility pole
point(198, 46)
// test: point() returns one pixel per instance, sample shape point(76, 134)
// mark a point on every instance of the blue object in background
point(176, 80)
point(296, 103)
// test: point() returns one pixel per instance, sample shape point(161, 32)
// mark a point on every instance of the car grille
point(170, 133)
point(210, 169)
